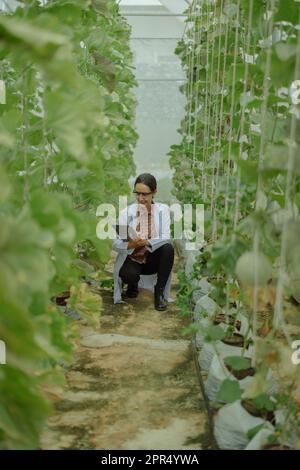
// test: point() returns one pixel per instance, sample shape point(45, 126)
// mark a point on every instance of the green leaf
point(237, 362)
point(225, 255)
point(214, 333)
point(64, 119)
point(264, 402)
point(101, 5)
point(248, 171)
point(280, 77)
point(84, 267)
point(107, 69)
point(251, 433)
point(277, 158)
point(24, 405)
point(20, 32)
point(285, 51)
point(5, 186)
point(287, 10)
point(258, 8)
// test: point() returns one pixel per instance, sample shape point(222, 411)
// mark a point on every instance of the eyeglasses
point(141, 194)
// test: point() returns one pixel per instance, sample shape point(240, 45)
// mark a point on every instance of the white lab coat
point(128, 216)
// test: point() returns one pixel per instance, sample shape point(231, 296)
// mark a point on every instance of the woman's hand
point(137, 243)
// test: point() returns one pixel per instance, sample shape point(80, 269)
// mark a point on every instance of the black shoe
point(132, 291)
point(159, 301)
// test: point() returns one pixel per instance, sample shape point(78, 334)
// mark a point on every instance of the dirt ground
point(133, 384)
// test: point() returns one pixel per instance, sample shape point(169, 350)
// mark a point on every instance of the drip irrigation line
point(205, 398)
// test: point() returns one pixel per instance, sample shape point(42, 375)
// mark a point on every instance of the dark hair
point(148, 180)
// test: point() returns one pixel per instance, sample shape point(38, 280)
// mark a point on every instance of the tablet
point(125, 232)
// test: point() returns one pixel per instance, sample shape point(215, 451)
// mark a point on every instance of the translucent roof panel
point(173, 5)
point(157, 26)
point(139, 3)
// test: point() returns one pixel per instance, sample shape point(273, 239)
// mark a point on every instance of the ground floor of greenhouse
point(133, 384)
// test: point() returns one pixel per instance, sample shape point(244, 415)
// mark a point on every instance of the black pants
point(160, 262)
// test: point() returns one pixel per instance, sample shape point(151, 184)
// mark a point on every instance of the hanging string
point(24, 129)
point(197, 88)
point(205, 113)
point(289, 191)
point(216, 114)
point(188, 54)
point(231, 115)
point(246, 53)
point(210, 106)
point(192, 43)
point(220, 124)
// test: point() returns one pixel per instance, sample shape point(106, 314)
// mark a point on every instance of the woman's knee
point(129, 276)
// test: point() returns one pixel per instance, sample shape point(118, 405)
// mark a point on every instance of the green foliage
point(67, 133)
point(237, 362)
point(215, 333)
point(184, 294)
point(211, 137)
point(239, 155)
point(218, 293)
point(224, 256)
point(253, 431)
point(229, 391)
point(263, 402)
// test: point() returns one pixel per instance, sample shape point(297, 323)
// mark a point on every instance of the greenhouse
point(150, 226)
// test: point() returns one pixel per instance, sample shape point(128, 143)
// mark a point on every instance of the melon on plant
point(253, 268)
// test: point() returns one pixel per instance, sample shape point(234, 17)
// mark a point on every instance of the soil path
point(133, 384)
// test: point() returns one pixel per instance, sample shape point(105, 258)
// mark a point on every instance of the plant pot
point(241, 374)
point(208, 352)
point(222, 318)
point(231, 425)
point(201, 288)
point(203, 324)
point(190, 260)
point(217, 374)
point(276, 447)
point(206, 305)
point(261, 438)
point(258, 413)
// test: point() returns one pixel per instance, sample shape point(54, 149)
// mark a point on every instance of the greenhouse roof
point(140, 3)
point(179, 5)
